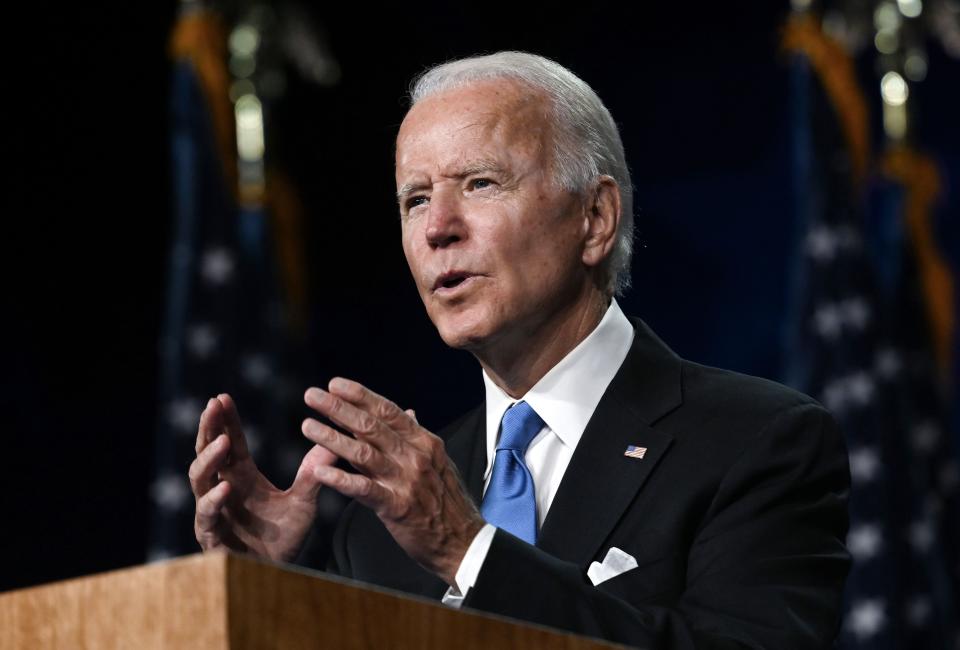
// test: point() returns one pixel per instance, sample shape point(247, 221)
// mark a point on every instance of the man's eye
point(480, 183)
point(415, 201)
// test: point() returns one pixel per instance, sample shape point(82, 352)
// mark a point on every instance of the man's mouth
point(448, 282)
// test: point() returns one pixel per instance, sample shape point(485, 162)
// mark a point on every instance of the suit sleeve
point(765, 569)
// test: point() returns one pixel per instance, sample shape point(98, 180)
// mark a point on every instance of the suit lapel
point(466, 446)
point(600, 482)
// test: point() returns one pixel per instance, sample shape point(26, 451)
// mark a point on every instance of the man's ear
point(602, 217)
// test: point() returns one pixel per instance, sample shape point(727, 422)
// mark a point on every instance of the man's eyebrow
point(471, 168)
point(480, 166)
point(409, 188)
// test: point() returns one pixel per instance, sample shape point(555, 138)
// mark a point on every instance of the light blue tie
point(510, 502)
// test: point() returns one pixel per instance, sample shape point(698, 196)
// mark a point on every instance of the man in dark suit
point(622, 492)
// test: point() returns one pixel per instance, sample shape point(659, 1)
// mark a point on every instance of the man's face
point(493, 244)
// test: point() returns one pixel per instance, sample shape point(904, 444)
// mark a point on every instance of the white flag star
point(861, 387)
point(828, 321)
point(202, 340)
point(256, 369)
point(856, 312)
point(864, 464)
point(835, 395)
point(822, 243)
point(184, 414)
point(170, 492)
point(840, 393)
point(864, 541)
point(217, 266)
point(866, 618)
point(888, 363)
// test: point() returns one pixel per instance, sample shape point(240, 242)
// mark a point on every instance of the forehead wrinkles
point(477, 119)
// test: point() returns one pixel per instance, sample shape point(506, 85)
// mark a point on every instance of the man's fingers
point(209, 424)
point(359, 453)
point(356, 486)
point(233, 427)
point(376, 405)
point(209, 507)
point(355, 420)
point(204, 468)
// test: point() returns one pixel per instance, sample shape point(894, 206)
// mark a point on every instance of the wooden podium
point(222, 601)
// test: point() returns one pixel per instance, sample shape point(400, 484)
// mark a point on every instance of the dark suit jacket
point(736, 517)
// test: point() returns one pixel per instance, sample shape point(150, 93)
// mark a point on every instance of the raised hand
point(236, 506)
point(405, 476)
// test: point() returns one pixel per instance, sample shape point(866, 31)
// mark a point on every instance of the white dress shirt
point(565, 398)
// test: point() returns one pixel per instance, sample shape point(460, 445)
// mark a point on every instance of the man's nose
point(445, 223)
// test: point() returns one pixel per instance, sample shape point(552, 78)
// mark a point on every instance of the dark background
point(701, 92)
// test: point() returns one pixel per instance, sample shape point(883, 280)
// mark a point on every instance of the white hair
point(587, 143)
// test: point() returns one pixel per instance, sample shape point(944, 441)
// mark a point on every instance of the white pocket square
point(615, 563)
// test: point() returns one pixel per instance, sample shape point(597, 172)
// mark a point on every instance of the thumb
point(412, 414)
point(306, 485)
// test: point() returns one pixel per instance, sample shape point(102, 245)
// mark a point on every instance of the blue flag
point(861, 346)
point(227, 326)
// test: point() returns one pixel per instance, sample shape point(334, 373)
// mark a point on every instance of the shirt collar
point(568, 394)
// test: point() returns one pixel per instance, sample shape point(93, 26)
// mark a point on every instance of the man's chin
point(463, 336)
point(462, 340)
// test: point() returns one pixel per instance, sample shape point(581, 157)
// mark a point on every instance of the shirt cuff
point(470, 567)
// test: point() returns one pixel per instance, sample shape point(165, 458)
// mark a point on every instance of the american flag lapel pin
point(635, 452)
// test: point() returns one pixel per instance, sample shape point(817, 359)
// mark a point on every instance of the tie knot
point(519, 426)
